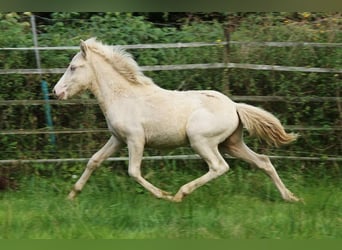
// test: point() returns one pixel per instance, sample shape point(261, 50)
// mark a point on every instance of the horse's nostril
point(55, 93)
point(61, 96)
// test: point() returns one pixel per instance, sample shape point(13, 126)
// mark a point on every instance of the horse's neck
point(110, 86)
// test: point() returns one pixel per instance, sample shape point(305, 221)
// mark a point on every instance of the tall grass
point(243, 204)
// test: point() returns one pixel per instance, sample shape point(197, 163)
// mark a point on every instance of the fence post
point(225, 78)
point(44, 84)
point(47, 107)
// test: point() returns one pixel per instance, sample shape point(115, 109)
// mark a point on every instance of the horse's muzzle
point(60, 95)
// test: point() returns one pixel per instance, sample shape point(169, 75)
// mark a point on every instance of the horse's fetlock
point(77, 189)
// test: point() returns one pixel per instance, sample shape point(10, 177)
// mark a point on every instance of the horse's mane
point(121, 61)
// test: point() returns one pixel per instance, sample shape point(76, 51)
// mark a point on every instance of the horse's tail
point(264, 125)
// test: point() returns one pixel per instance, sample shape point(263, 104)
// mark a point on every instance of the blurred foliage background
point(66, 29)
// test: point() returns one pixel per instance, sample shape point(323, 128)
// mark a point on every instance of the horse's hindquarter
point(216, 118)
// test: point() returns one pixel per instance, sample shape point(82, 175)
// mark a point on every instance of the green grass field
point(243, 204)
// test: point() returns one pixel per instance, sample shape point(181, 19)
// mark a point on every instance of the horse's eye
point(72, 68)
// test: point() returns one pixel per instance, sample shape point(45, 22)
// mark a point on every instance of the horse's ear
point(84, 48)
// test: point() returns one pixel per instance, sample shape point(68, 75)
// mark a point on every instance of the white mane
point(121, 60)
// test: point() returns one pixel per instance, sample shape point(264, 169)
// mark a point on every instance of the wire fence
point(217, 65)
point(190, 66)
point(187, 67)
point(190, 45)
point(159, 158)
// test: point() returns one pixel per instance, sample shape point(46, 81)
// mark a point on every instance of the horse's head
point(77, 77)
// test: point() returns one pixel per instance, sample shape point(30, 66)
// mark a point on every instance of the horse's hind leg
point(217, 166)
point(235, 146)
point(107, 150)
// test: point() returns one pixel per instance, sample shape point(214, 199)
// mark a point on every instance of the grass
point(243, 204)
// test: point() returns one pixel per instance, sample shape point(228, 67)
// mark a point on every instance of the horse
point(141, 114)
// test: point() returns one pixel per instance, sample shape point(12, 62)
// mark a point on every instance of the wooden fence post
point(225, 78)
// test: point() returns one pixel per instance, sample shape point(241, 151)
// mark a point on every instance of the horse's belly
point(168, 137)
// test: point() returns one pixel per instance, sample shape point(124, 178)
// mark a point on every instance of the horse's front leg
point(136, 149)
point(107, 150)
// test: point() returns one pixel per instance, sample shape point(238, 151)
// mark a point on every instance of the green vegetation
point(240, 205)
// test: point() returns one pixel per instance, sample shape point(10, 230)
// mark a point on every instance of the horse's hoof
point(165, 193)
point(177, 198)
point(292, 198)
point(71, 195)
